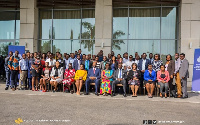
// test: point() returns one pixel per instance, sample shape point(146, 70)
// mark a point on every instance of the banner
point(21, 49)
point(196, 72)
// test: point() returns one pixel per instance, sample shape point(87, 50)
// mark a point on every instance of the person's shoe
point(124, 95)
point(96, 93)
point(179, 96)
point(6, 88)
point(86, 94)
point(13, 89)
point(113, 94)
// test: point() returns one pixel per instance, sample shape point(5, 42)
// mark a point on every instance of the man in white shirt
point(129, 63)
point(125, 59)
point(51, 61)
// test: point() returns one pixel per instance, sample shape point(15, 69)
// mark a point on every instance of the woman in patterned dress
point(106, 76)
point(69, 77)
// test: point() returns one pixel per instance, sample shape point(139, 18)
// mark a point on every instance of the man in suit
point(151, 58)
point(103, 63)
point(184, 74)
point(120, 76)
point(94, 76)
point(142, 66)
point(77, 63)
point(79, 52)
point(87, 63)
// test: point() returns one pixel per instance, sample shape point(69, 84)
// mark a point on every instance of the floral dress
point(69, 73)
point(106, 84)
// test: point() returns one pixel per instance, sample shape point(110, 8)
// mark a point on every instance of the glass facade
point(145, 29)
point(9, 29)
point(67, 30)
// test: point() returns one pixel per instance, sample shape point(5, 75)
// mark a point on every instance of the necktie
point(120, 75)
point(94, 70)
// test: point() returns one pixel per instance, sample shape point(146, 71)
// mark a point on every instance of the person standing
point(23, 68)
point(7, 69)
point(119, 77)
point(170, 67)
point(30, 60)
point(129, 63)
point(103, 63)
point(177, 76)
point(13, 64)
point(77, 63)
point(157, 63)
point(184, 74)
point(151, 58)
point(79, 52)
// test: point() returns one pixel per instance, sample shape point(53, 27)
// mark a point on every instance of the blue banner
point(196, 71)
point(21, 49)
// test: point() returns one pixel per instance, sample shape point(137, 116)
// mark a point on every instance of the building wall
point(28, 24)
point(189, 23)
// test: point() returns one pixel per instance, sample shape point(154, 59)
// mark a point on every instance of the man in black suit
point(77, 63)
point(120, 76)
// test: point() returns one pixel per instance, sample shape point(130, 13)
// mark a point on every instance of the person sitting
point(80, 77)
point(69, 77)
point(163, 79)
point(149, 80)
point(56, 75)
point(45, 77)
point(120, 76)
point(133, 78)
point(94, 75)
point(106, 76)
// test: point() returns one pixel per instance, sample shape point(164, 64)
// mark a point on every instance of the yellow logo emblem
point(18, 121)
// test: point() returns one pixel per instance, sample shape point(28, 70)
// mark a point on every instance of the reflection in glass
point(45, 24)
point(44, 45)
point(168, 23)
point(119, 46)
point(168, 47)
point(144, 23)
point(7, 25)
point(66, 24)
point(88, 50)
point(18, 25)
point(143, 46)
point(4, 48)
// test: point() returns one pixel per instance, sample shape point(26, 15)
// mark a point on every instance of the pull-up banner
point(21, 49)
point(196, 72)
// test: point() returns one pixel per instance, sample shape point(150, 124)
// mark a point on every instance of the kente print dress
point(106, 84)
point(69, 73)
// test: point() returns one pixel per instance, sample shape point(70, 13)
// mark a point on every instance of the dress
point(81, 73)
point(69, 73)
point(133, 75)
point(106, 84)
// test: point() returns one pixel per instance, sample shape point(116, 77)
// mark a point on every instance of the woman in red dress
point(69, 77)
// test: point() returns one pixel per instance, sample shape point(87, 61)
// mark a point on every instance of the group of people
point(36, 70)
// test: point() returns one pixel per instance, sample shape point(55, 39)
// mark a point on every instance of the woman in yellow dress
point(80, 77)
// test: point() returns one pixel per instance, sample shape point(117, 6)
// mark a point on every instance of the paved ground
point(33, 107)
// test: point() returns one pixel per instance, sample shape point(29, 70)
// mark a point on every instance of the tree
point(116, 43)
point(4, 49)
point(47, 47)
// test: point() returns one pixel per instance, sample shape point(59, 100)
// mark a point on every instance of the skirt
point(35, 73)
point(57, 80)
point(150, 82)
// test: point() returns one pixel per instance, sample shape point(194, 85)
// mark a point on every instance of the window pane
point(65, 46)
point(88, 24)
point(144, 23)
point(88, 46)
point(7, 25)
point(168, 23)
point(44, 45)
point(120, 23)
point(18, 26)
point(66, 24)
point(168, 47)
point(143, 46)
point(4, 48)
point(45, 24)
point(119, 46)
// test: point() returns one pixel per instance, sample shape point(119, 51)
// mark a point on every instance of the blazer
point(130, 75)
point(90, 63)
point(147, 76)
point(102, 67)
point(75, 64)
point(91, 73)
point(171, 67)
point(60, 72)
point(146, 64)
point(183, 71)
point(124, 74)
point(116, 64)
point(167, 76)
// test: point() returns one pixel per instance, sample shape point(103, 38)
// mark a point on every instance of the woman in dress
point(157, 62)
point(114, 64)
point(80, 77)
point(149, 80)
point(133, 78)
point(106, 76)
point(56, 75)
point(45, 77)
point(69, 77)
point(35, 72)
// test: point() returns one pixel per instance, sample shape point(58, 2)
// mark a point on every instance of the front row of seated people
point(108, 79)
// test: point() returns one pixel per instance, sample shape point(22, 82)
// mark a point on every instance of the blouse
point(148, 76)
point(157, 64)
point(81, 73)
point(167, 77)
